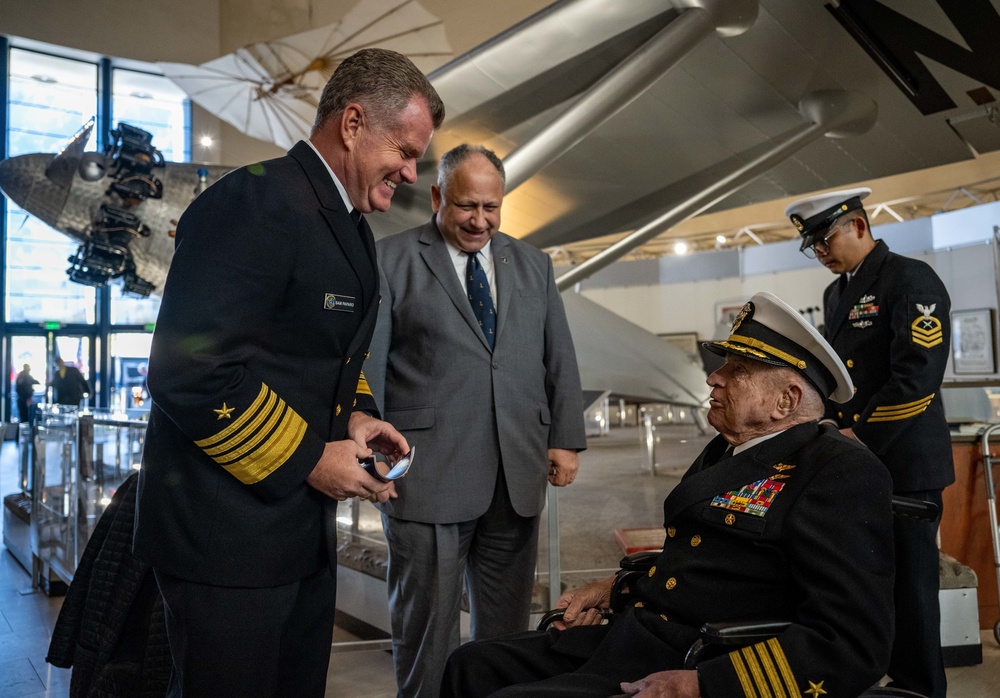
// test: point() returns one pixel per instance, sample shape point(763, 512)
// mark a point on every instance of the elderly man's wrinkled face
point(743, 398)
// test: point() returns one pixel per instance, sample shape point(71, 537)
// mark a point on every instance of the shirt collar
point(457, 253)
point(340, 187)
point(753, 442)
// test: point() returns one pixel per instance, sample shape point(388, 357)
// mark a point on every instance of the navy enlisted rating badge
point(926, 330)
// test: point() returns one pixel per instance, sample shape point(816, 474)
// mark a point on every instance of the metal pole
point(555, 570)
point(649, 441)
point(833, 113)
point(627, 81)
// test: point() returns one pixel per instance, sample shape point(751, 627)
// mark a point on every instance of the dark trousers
point(916, 662)
point(587, 662)
point(494, 555)
point(242, 642)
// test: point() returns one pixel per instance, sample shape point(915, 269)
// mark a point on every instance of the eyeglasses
point(823, 243)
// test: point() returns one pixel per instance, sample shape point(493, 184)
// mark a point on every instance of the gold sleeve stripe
point(931, 341)
point(791, 685)
point(770, 670)
point(363, 388)
point(742, 674)
point(921, 401)
point(250, 444)
point(260, 463)
point(240, 421)
point(250, 428)
point(896, 417)
point(773, 351)
point(756, 672)
point(903, 410)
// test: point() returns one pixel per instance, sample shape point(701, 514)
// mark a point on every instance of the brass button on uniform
point(857, 417)
point(850, 363)
point(639, 604)
point(855, 390)
point(840, 415)
point(671, 531)
point(730, 519)
point(652, 570)
point(671, 583)
point(337, 411)
point(695, 541)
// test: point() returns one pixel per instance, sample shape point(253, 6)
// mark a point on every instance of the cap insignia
point(797, 221)
point(746, 310)
point(782, 467)
point(224, 412)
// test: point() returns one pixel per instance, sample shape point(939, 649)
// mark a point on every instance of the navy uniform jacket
point(797, 528)
point(891, 326)
point(266, 317)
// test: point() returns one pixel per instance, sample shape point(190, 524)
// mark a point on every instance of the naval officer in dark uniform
point(260, 410)
point(887, 316)
point(795, 524)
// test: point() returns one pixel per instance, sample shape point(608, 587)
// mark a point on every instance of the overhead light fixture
point(721, 239)
point(680, 247)
point(205, 141)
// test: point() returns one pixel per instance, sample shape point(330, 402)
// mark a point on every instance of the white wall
point(958, 245)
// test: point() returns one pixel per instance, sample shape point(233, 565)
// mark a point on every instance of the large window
point(50, 99)
point(49, 95)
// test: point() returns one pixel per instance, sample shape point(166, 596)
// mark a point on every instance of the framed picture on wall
point(687, 341)
point(973, 343)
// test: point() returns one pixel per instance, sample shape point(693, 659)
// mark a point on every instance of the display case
point(80, 459)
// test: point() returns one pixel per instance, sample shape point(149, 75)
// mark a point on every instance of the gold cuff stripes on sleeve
point(893, 413)
point(259, 441)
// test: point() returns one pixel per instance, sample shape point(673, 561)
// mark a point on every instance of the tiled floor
point(611, 491)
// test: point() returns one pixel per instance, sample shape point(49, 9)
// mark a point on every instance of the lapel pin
point(503, 259)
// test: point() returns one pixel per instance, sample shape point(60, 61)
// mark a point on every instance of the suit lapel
point(704, 482)
point(503, 273)
point(856, 287)
point(437, 257)
point(338, 218)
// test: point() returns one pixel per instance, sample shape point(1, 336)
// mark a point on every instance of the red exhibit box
point(632, 540)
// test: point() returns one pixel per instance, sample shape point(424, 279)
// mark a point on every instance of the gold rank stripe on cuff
point(763, 671)
point(259, 441)
point(892, 413)
point(363, 387)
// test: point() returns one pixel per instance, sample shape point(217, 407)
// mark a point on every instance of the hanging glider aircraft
point(629, 118)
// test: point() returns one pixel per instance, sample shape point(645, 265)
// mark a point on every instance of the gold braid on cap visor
point(773, 351)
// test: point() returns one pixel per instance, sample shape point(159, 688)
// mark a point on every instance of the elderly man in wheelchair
point(778, 519)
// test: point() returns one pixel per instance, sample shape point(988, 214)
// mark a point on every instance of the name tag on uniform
point(339, 302)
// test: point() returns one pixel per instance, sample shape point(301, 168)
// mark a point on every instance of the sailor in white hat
point(887, 317)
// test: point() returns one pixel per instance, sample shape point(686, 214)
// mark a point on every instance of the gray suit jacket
point(465, 409)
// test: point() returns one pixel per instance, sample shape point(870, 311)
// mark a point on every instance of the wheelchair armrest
point(641, 560)
point(633, 567)
point(915, 508)
point(715, 635)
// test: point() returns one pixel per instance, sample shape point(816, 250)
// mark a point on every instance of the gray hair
point(383, 82)
point(459, 154)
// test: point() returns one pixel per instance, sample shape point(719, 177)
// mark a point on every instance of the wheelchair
point(718, 638)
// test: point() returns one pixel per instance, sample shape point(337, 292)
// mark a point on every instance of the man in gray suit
point(479, 374)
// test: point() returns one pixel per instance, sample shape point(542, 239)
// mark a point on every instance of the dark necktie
point(478, 287)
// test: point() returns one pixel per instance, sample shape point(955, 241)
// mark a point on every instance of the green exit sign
point(150, 326)
point(52, 325)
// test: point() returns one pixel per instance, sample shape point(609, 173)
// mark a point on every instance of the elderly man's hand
point(665, 684)
point(583, 605)
point(563, 464)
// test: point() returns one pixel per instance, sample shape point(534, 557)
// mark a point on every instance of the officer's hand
point(582, 604)
point(563, 464)
point(339, 476)
point(370, 433)
point(665, 684)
